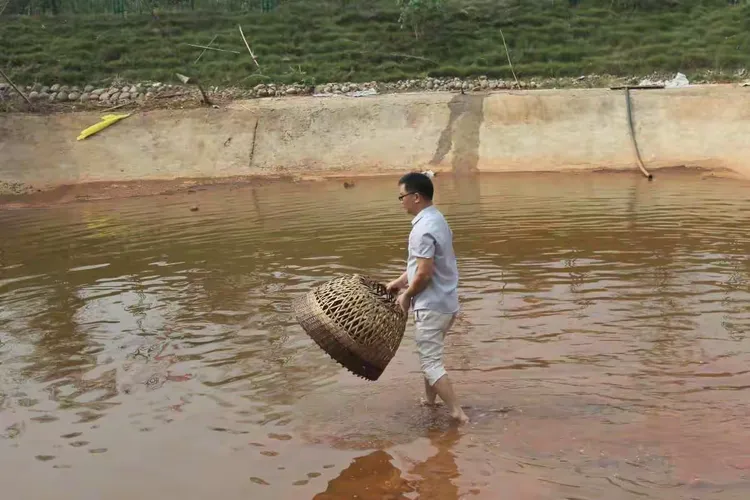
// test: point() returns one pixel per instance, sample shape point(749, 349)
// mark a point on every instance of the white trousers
point(431, 327)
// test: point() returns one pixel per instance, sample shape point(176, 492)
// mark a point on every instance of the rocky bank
point(157, 94)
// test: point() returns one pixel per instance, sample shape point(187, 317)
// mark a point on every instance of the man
point(429, 285)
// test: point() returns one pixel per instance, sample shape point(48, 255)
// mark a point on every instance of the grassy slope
point(317, 42)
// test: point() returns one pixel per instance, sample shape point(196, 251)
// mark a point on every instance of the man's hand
point(405, 302)
point(394, 286)
point(398, 284)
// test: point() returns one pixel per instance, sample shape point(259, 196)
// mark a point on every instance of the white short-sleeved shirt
point(432, 237)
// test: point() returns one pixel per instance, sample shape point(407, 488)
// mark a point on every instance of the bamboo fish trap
point(355, 320)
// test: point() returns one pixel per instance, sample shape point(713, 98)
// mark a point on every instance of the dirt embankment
point(309, 137)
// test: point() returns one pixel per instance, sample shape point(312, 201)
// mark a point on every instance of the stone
point(34, 95)
point(85, 97)
point(291, 91)
point(104, 97)
point(98, 92)
point(52, 96)
point(345, 89)
point(114, 96)
point(43, 95)
point(74, 96)
point(45, 89)
point(76, 88)
point(61, 96)
point(65, 89)
point(36, 87)
point(141, 96)
point(88, 89)
point(55, 87)
point(133, 93)
point(149, 95)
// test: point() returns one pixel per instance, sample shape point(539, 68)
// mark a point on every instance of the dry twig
point(405, 56)
point(248, 47)
point(207, 48)
point(211, 48)
point(510, 63)
point(16, 88)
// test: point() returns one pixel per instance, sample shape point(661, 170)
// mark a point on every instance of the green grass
point(318, 41)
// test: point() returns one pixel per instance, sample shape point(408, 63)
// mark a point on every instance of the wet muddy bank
point(101, 191)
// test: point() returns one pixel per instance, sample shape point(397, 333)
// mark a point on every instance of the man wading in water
point(429, 285)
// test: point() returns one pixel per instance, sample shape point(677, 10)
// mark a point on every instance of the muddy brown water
point(147, 351)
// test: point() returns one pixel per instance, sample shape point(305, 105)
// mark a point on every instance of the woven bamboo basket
point(355, 320)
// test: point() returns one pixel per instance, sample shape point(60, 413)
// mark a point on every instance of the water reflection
point(607, 312)
point(373, 476)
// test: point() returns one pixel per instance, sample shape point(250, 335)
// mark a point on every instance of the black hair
point(414, 182)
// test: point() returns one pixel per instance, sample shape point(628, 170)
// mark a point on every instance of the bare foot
point(431, 404)
point(459, 415)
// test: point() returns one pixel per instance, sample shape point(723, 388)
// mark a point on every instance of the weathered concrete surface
point(543, 130)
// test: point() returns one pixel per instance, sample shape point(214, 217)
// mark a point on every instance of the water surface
point(147, 351)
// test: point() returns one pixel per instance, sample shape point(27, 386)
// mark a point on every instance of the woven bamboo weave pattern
point(355, 320)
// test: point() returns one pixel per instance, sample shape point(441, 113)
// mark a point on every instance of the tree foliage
point(415, 13)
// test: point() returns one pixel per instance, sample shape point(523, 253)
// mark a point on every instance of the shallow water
point(147, 351)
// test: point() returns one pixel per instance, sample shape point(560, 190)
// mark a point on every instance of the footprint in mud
point(301, 482)
point(97, 450)
point(312, 475)
point(45, 458)
point(88, 416)
point(258, 480)
point(71, 435)
point(477, 415)
point(44, 419)
point(78, 444)
point(280, 437)
point(269, 453)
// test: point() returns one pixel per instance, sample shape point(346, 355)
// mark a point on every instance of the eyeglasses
point(401, 197)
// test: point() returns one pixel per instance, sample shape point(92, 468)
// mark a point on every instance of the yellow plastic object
point(107, 120)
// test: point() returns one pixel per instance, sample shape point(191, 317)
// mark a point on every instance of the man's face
point(408, 199)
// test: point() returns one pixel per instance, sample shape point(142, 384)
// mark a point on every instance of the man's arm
point(425, 269)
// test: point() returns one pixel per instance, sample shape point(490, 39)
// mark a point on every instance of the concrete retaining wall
point(544, 130)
